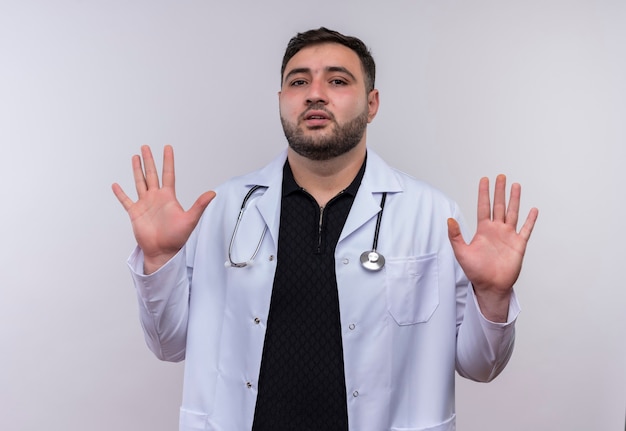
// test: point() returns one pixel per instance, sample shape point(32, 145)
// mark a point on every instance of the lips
point(316, 115)
point(316, 121)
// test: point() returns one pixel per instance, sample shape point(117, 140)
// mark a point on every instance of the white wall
point(535, 89)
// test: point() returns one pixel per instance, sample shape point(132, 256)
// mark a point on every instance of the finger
point(454, 235)
point(168, 167)
point(121, 196)
point(512, 212)
point(499, 198)
point(138, 175)
point(529, 224)
point(198, 207)
point(152, 177)
point(484, 204)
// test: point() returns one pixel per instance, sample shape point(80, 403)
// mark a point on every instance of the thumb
point(200, 205)
point(455, 235)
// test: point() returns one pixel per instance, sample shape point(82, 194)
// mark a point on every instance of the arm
point(158, 265)
point(492, 263)
point(163, 299)
point(483, 347)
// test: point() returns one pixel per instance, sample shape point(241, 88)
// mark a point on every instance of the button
point(271, 258)
point(355, 394)
point(248, 385)
point(352, 326)
point(257, 320)
point(345, 261)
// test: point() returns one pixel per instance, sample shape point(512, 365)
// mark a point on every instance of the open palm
point(160, 224)
point(493, 259)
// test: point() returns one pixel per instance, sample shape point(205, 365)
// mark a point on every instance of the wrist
point(493, 304)
point(152, 264)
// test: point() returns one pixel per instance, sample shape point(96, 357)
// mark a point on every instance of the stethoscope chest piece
point(372, 260)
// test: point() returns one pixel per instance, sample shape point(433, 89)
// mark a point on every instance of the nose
point(316, 93)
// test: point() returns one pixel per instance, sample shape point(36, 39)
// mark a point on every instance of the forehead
point(323, 56)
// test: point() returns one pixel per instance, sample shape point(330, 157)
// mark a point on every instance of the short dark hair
point(324, 35)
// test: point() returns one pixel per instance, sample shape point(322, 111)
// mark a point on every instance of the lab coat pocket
point(194, 421)
point(412, 288)
point(448, 425)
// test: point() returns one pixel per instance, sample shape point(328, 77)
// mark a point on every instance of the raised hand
point(493, 259)
point(160, 224)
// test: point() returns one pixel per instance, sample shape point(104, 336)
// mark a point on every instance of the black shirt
point(302, 380)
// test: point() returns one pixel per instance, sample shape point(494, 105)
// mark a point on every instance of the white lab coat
point(405, 328)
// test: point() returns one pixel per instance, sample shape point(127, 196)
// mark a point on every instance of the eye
point(297, 83)
point(338, 82)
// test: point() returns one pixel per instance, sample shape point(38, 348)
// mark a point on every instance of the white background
point(535, 89)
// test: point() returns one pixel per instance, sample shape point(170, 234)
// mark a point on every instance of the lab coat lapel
point(268, 205)
point(378, 178)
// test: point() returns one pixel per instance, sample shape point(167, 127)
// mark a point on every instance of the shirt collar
point(290, 186)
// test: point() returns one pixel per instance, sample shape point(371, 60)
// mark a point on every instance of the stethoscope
point(231, 262)
point(371, 260)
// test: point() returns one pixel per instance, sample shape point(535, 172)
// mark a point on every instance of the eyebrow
point(328, 69)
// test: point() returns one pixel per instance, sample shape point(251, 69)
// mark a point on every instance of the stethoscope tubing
point(236, 229)
point(371, 259)
point(378, 220)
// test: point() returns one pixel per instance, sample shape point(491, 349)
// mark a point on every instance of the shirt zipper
point(321, 222)
point(319, 231)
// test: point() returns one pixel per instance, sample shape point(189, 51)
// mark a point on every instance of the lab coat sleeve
point(484, 347)
point(163, 298)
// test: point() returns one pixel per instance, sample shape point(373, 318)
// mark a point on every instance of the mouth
point(316, 115)
point(316, 119)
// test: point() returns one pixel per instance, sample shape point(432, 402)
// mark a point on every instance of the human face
point(324, 105)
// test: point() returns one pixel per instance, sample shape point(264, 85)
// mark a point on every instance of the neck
point(325, 179)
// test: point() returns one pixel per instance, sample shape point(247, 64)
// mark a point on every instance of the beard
point(343, 137)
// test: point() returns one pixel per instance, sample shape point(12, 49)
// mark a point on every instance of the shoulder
point(415, 185)
point(382, 177)
point(267, 176)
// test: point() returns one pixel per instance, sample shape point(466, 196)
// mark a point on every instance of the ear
point(373, 102)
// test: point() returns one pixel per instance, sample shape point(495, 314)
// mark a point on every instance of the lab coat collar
point(379, 177)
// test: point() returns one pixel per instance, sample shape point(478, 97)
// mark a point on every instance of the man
point(284, 321)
